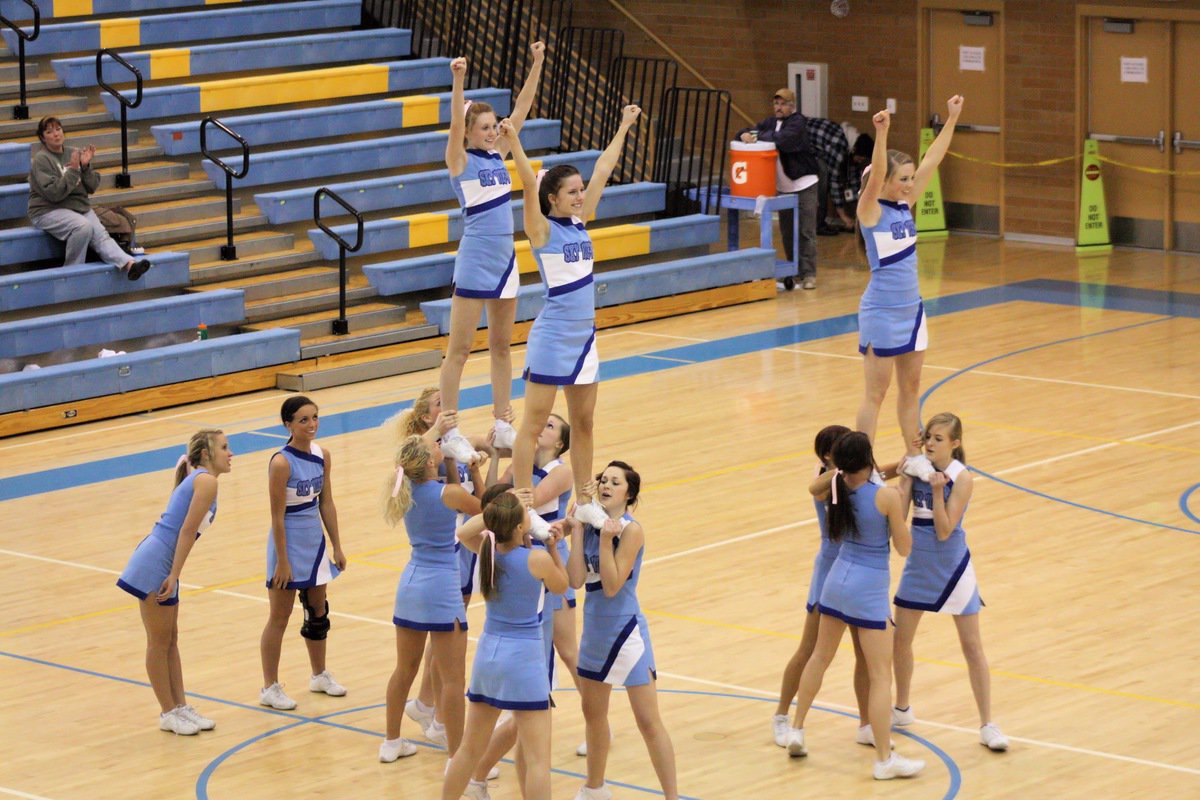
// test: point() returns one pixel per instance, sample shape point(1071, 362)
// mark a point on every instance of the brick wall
point(744, 46)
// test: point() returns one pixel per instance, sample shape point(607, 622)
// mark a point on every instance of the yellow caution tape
point(1052, 161)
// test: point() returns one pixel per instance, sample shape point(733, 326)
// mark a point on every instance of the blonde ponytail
point(201, 442)
point(411, 464)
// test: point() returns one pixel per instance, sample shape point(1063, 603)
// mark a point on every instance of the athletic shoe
point(436, 733)
point(918, 466)
point(137, 269)
point(274, 697)
point(809, 283)
point(795, 743)
point(991, 737)
point(494, 773)
point(190, 713)
point(392, 749)
point(582, 749)
point(457, 447)
point(897, 766)
point(506, 435)
point(866, 736)
point(538, 527)
point(780, 728)
point(588, 793)
point(477, 790)
point(414, 712)
point(903, 716)
point(326, 684)
point(591, 514)
point(504, 717)
point(174, 722)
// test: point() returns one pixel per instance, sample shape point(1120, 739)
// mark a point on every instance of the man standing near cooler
point(796, 173)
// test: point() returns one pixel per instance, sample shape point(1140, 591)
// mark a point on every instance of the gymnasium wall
point(744, 46)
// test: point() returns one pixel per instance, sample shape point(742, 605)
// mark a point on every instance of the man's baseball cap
point(786, 95)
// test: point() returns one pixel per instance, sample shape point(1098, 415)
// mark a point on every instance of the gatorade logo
point(740, 172)
point(1092, 172)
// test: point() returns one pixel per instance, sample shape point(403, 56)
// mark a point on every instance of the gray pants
point(808, 232)
point(79, 231)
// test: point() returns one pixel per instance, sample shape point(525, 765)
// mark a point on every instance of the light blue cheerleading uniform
point(151, 561)
point(824, 560)
point(551, 511)
point(891, 316)
point(562, 342)
point(428, 596)
point(938, 576)
point(485, 265)
point(303, 532)
point(615, 645)
point(856, 588)
point(508, 671)
point(468, 562)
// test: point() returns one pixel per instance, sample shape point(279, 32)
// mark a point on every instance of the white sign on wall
point(1134, 70)
point(970, 59)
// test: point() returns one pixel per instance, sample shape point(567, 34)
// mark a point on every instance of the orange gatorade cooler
point(753, 169)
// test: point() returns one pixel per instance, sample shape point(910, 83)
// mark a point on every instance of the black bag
point(119, 223)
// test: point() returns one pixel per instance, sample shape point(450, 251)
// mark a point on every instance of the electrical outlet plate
point(859, 103)
point(891, 105)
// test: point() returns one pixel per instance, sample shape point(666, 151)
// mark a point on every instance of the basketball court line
point(18, 793)
point(359, 419)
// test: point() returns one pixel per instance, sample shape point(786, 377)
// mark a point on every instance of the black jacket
point(791, 141)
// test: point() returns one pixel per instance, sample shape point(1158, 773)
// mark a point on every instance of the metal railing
point(228, 250)
point(579, 85)
point(341, 326)
point(644, 82)
point(21, 109)
point(123, 179)
point(692, 140)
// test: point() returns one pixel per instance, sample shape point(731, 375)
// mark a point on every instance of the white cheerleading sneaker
point(189, 712)
point(779, 729)
point(991, 738)
point(897, 766)
point(457, 447)
point(538, 528)
point(919, 467)
point(902, 717)
point(392, 749)
point(174, 722)
point(324, 683)
point(273, 696)
point(506, 435)
point(591, 514)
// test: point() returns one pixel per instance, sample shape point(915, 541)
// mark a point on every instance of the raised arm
point(528, 92)
point(576, 568)
point(607, 162)
point(537, 228)
point(546, 565)
point(470, 533)
point(819, 488)
point(616, 566)
point(948, 513)
point(868, 199)
point(204, 491)
point(456, 152)
point(937, 150)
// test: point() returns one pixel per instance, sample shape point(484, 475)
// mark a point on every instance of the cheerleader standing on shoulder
point(939, 575)
point(152, 574)
point(302, 512)
point(891, 316)
point(562, 342)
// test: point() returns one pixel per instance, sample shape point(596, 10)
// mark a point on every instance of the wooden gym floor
point(1081, 407)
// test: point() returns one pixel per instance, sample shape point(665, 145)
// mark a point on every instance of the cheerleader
point(562, 342)
point(615, 647)
point(485, 269)
point(891, 316)
point(152, 574)
point(301, 491)
point(939, 575)
point(428, 599)
point(861, 516)
point(509, 671)
point(823, 445)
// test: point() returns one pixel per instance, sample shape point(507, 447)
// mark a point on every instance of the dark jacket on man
point(791, 141)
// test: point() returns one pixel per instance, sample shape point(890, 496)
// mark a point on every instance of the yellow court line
point(716, 473)
point(65, 620)
point(1017, 676)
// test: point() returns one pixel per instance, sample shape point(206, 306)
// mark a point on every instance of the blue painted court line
point(1183, 503)
point(1044, 291)
point(1183, 500)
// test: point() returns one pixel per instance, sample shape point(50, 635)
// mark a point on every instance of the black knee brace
point(314, 627)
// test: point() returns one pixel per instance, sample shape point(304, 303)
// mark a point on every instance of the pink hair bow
point(833, 493)
point(399, 481)
point(467, 105)
point(183, 459)
point(541, 173)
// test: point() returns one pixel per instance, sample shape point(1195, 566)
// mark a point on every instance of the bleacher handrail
point(228, 250)
point(341, 326)
point(21, 109)
point(701, 116)
point(123, 179)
